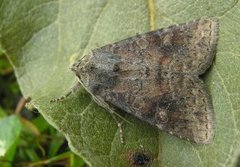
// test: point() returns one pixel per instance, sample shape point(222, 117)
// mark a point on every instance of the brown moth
point(155, 77)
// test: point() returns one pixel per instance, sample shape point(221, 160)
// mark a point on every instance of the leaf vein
point(94, 27)
point(151, 5)
point(229, 99)
point(229, 10)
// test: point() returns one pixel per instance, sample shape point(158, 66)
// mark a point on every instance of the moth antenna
point(76, 87)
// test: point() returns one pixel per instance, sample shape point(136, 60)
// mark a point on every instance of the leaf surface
point(9, 136)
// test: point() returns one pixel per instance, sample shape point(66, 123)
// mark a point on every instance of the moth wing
point(177, 104)
point(188, 113)
point(188, 47)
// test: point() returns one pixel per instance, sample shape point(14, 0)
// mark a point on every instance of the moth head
point(97, 70)
point(81, 70)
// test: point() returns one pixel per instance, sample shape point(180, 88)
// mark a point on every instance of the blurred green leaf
point(52, 160)
point(40, 123)
point(1, 52)
point(2, 113)
point(55, 144)
point(76, 161)
point(9, 135)
point(4, 63)
point(9, 89)
point(32, 155)
point(30, 128)
point(43, 38)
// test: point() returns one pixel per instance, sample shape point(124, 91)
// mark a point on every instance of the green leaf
point(40, 123)
point(76, 161)
point(55, 144)
point(42, 38)
point(1, 51)
point(9, 135)
point(2, 113)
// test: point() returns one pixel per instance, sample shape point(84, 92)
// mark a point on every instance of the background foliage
point(26, 139)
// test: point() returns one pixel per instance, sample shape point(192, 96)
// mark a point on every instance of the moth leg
point(119, 124)
point(73, 90)
point(113, 113)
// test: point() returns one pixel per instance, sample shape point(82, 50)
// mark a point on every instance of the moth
point(155, 77)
